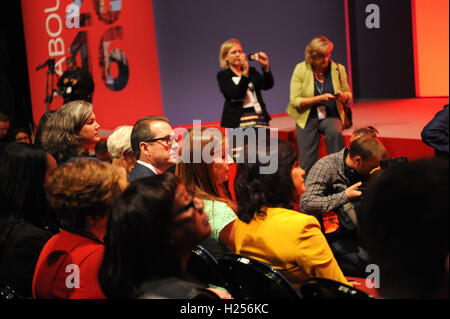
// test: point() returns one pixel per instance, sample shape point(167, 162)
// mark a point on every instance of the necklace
point(319, 87)
point(319, 75)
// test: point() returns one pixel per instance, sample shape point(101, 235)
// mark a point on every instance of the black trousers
point(309, 137)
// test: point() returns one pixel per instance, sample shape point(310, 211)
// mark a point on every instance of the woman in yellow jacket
point(318, 90)
point(269, 230)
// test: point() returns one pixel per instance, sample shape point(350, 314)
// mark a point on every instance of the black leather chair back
point(203, 266)
point(248, 278)
point(321, 288)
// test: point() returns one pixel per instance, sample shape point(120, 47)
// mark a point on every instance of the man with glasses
point(155, 146)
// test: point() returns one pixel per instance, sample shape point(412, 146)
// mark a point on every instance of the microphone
point(49, 62)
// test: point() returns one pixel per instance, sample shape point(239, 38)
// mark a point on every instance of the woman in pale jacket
point(318, 90)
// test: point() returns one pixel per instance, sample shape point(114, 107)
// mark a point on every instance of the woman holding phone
point(318, 90)
point(241, 86)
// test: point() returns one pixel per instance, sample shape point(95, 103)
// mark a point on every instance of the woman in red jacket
point(80, 193)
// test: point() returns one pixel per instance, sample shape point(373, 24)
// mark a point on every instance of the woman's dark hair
point(254, 189)
point(22, 174)
point(137, 242)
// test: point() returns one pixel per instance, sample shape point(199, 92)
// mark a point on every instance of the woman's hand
point(223, 294)
point(341, 97)
point(244, 63)
point(263, 59)
point(326, 97)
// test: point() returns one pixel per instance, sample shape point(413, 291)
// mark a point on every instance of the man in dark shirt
point(75, 83)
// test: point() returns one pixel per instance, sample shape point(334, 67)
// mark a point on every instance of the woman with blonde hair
point(241, 86)
point(71, 131)
point(204, 170)
point(318, 91)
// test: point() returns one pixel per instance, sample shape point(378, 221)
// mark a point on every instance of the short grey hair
point(120, 141)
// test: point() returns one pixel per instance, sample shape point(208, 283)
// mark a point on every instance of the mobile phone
point(253, 56)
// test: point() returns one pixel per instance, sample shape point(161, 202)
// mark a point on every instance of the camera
point(392, 162)
point(253, 56)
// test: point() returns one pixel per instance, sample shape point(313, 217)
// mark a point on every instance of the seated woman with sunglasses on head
point(205, 179)
point(151, 231)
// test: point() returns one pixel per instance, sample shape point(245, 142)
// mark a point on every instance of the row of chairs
point(247, 278)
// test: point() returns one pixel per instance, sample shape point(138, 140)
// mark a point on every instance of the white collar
point(150, 166)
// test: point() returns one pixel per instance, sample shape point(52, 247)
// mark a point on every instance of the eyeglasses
point(167, 139)
point(194, 203)
point(185, 208)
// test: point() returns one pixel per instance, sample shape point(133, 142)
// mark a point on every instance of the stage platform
point(399, 123)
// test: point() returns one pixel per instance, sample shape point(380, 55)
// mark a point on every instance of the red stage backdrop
point(431, 47)
point(115, 39)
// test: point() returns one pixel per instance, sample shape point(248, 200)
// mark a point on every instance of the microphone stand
point(50, 63)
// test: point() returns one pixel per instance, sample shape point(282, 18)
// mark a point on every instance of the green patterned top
point(220, 215)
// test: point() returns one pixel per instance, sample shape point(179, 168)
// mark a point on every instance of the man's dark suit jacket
point(139, 171)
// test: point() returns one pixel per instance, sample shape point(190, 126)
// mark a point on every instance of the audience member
point(81, 193)
point(101, 151)
point(155, 146)
point(20, 134)
point(318, 91)
point(364, 131)
point(153, 227)
point(404, 226)
point(24, 169)
point(4, 127)
point(205, 179)
point(44, 118)
point(23, 220)
point(119, 147)
point(269, 229)
point(435, 133)
point(71, 131)
point(335, 183)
